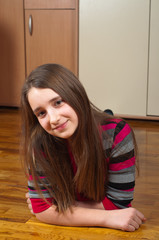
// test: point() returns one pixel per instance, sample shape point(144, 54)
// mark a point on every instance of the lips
point(61, 126)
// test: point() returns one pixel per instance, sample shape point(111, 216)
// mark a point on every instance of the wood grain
point(16, 222)
point(49, 4)
point(55, 34)
point(12, 60)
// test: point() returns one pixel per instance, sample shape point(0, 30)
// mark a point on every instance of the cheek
point(74, 118)
point(69, 112)
point(43, 123)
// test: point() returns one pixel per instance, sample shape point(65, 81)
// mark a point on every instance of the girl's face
point(53, 114)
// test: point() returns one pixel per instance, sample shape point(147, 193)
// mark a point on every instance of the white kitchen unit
point(153, 80)
point(113, 54)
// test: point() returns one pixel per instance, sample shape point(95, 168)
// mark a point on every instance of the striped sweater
point(121, 170)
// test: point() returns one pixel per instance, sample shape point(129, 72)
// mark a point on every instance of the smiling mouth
point(61, 126)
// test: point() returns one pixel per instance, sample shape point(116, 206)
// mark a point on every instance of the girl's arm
point(121, 170)
point(93, 214)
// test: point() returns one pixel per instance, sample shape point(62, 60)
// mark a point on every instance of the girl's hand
point(29, 203)
point(128, 219)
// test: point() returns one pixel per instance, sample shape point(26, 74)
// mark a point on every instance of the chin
point(66, 136)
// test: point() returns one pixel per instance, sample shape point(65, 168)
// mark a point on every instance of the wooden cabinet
point(53, 34)
point(153, 78)
point(113, 55)
point(12, 59)
point(52, 38)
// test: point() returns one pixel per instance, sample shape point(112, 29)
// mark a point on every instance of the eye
point(58, 103)
point(40, 114)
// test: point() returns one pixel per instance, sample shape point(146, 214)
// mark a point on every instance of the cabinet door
point(53, 39)
point(153, 85)
point(49, 4)
point(113, 53)
point(12, 66)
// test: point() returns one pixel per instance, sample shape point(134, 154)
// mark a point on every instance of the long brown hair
point(50, 155)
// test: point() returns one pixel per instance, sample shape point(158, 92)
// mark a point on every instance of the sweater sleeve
point(38, 203)
point(121, 172)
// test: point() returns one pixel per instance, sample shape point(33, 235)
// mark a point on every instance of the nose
point(54, 117)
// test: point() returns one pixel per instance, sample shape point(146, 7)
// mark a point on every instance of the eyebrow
point(50, 101)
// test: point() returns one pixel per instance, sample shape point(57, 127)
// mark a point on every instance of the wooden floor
point(16, 222)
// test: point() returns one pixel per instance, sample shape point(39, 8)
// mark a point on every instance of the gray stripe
point(108, 141)
point(107, 144)
point(36, 195)
point(119, 205)
point(36, 192)
point(125, 170)
point(31, 184)
point(118, 194)
point(126, 145)
point(123, 177)
point(110, 132)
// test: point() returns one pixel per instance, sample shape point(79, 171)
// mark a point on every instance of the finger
point(129, 228)
point(30, 206)
point(27, 195)
point(141, 216)
point(28, 200)
point(134, 224)
point(144, 220)
point(138, 220)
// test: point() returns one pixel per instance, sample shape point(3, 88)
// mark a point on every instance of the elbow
point(47, 216)
point(40, 217)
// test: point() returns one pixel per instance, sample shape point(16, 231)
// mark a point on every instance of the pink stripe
point(129, 190)
point(109, 126)
point(122, 134)
point(31, 178)
point(122, 165)
point(43, 190)
point(31, 190)
point(109, 205)
point(116, 120)
point(39, 205)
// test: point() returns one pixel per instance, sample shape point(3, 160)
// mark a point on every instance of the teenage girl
point(80, 161)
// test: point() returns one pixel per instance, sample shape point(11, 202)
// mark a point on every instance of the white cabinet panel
point(113, 53)
point(153, 85)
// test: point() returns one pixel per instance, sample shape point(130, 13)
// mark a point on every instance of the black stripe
point(121, 202)
point(118, 128)
point(123, 157)
point(122, 186)
point(38, 173)
point(108, 152)
point(107, 122)
point(32, 188)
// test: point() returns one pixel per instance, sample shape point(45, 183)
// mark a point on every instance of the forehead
point(42, 91)
point(40, 96)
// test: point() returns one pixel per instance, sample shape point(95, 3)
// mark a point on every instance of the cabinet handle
point(30, 24)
